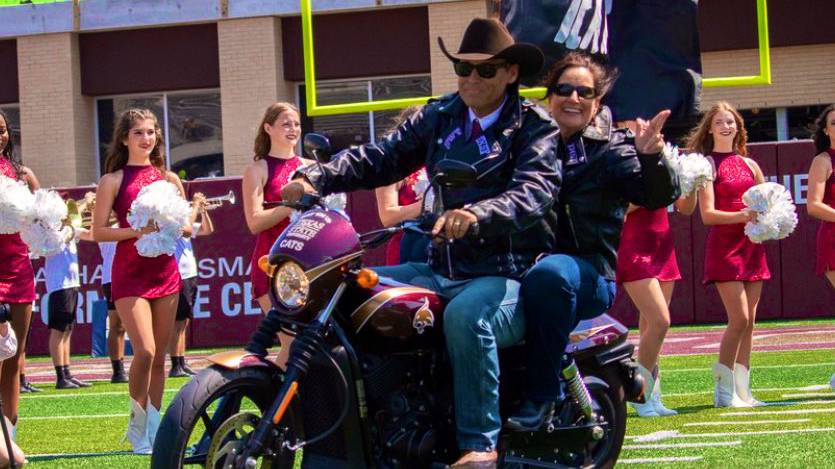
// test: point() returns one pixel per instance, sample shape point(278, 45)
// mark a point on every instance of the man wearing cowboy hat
point(499, 225)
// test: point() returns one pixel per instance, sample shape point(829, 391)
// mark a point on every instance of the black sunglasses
point(565, 90)
point(484, 70)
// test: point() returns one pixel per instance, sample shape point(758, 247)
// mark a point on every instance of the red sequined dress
point(405, 196)
point(17, 279)
point(826, 230)
point(134, 275)
point(729, 254)
point(278, 174)
point(646, 247)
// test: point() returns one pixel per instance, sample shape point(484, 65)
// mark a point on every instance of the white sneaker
point(742, 381)
point(832, 383)
point(137, 429)
point(656, 397)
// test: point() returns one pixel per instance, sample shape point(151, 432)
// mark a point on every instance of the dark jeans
point(558, 292)
point(482, 316)
point(413, 247)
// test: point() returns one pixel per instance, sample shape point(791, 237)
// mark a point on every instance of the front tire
point(197, 405)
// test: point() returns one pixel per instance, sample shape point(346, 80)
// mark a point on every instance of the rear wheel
point(215, 413)
point(610, 406)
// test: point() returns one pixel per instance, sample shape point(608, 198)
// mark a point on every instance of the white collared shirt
point(485, 121)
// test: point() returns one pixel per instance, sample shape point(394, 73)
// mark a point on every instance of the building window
point(802, 120)
point(761, 124)
point(13, 112)
point(191, 123)
point(356, 129)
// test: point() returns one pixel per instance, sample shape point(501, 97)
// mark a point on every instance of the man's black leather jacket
point(518, 181)
point(602, 174)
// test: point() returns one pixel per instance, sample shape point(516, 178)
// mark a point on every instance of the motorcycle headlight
point(291, 285)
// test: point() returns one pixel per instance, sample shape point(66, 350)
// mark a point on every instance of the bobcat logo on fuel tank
point(423, 317)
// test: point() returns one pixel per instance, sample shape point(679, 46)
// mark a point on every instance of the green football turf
point(84, 428)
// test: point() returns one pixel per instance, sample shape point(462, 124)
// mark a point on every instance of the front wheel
point(213, 410)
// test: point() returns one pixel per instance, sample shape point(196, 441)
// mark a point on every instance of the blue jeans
point(558, 292)
point(483, 315)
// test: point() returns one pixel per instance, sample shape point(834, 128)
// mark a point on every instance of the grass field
point(83, 429)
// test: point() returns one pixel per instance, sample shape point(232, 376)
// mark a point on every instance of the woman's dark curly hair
point(822, 141)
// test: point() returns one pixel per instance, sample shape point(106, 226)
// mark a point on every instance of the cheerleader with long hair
point(820, 199)
point(17, 279)
point(144, 289)
point(274, 162)
point(735, 264)
point(648, 269)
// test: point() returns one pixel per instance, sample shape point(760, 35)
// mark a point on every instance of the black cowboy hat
point(487, 39)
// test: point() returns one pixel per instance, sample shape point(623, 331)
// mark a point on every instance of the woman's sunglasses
point(565, 90)
point(484, 70)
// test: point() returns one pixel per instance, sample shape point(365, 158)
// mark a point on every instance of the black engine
point(410, 408)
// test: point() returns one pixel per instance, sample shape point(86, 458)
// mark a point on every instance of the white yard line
point(669, 434)
point(726, 423)
point(652, 460)
point(68, 417)
point(706, 444)
point(819, 387)
point(809, 394)
point(757, 367)
point(77, 455)
point(780, 412)
point(83, 394)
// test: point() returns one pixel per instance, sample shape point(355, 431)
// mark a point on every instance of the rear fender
point(237, 359)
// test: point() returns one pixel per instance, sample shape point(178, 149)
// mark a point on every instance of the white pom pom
point(424, 189)
point(16, 204)
point(159, 202)
point(693, 169)
point(44, 229)
point(776, 213)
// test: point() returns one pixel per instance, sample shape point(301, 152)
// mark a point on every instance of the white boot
point(724, 394)
point(647, 409)
point(656, 397)
point(742, 380)
point(153, 422)
point(137, 429)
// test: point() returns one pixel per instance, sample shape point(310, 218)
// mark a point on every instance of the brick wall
point(56, 120)
point(251, 78)
point(449, 20)
point(801, 75)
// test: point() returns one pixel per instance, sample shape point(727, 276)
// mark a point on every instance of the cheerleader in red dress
point(735, 264)
point(17, 279)
point(398, 202)
point(820, 199)
point(145, 289)
point(647, 268)
point(275, 161)
point(395, 203)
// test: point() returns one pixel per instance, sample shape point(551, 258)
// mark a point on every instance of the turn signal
point(367, 278)
point(264, 265)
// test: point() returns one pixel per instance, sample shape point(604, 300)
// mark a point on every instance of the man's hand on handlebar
point(293, 191)
point(454, 223)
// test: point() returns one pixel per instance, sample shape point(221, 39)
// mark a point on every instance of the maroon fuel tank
point(397, 317)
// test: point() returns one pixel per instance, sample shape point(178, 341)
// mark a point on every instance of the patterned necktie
point(476, 132)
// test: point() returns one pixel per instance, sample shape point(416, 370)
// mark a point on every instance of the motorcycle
point(368, 381)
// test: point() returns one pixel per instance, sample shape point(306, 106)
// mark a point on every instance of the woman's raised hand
point(648, 137)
